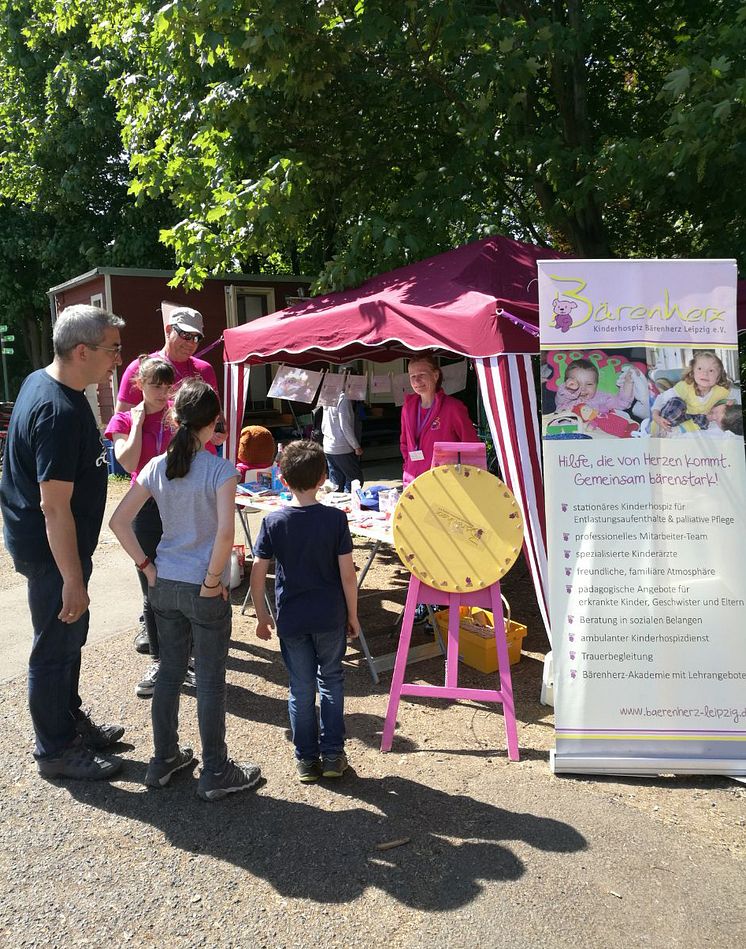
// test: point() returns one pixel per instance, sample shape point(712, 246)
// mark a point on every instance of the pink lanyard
point(422, 423)
point(159, 435)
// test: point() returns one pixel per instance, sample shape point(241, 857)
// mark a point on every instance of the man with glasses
point(52, 495)
point(184, 333)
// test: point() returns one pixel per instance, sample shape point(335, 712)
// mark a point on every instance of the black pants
point(148, 531)
point(54, 663)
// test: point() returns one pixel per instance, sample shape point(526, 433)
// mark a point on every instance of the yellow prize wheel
point(457, 528)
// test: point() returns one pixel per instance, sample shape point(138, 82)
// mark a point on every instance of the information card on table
point(646, 515)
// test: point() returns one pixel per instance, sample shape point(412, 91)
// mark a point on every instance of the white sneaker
point(146, 686)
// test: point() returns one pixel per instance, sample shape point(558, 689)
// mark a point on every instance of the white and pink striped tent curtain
point(507, 387)
point(235, 389)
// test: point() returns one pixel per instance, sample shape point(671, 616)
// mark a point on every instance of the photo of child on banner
point(594, 393)
point(693, 393)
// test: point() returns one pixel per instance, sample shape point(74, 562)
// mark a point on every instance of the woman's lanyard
point(159, 435)
point(422, 423)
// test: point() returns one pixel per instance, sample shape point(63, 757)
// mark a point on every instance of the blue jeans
point(182, 615)
point(54, 663)
point(314, 661)
point(343, 470)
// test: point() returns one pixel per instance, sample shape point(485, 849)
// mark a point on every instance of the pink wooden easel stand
point(488, 598)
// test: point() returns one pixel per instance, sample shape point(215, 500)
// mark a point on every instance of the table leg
point(368, 657)
point(247, 536)
point(368, 563)
point(361, 638)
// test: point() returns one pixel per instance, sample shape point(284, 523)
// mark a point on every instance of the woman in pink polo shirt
point(138, 435)
point(429, 416)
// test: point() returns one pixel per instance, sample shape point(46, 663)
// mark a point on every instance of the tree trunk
point(582, 222)
point(37, 337)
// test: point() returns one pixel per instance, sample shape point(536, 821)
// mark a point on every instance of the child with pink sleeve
point(580, 387)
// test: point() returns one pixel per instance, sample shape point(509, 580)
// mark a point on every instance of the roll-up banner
point(646, 515)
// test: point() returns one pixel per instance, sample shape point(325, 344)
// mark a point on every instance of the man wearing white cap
point(184, 333)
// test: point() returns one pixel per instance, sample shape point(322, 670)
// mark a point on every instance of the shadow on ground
point(330, 856)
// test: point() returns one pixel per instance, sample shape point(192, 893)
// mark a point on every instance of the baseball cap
point(187, 319)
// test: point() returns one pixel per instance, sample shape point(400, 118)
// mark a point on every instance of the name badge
point(417, 455)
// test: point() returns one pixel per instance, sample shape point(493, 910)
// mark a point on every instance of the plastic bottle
point(277, 485)
point(355, 499)
point(235, 570)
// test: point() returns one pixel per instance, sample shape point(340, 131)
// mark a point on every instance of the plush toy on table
point(256, 449)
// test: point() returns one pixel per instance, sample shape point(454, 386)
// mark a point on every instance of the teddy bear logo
point(562, 314)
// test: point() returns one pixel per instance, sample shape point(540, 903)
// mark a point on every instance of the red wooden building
point(136, 296)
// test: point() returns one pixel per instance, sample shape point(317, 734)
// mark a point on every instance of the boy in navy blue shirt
point(316, 597)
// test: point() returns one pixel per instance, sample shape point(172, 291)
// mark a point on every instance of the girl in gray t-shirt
point(195, 494)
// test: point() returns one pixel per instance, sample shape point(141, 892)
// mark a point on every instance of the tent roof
point(451, 303)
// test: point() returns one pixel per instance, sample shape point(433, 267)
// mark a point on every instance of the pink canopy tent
point(478, 301)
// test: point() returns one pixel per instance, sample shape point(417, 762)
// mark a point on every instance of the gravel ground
point(496, 853)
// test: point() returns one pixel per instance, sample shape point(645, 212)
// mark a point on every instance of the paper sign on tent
point(401, 386)
point(295, 384)
point(331, 389)
point(356, 388)
point(454, 377)
point(380, 384)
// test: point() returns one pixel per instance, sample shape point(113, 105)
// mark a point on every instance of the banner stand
point(645, 487)
point(577, 764)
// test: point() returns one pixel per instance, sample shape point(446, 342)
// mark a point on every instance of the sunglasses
point(106, 349)
point(188, 337)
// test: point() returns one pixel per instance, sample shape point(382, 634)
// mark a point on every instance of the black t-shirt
point(52, 436)
point(306, 543)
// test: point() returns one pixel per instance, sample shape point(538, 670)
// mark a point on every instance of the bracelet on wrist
point(144, 564)
point(211, 586)
point(211, 574)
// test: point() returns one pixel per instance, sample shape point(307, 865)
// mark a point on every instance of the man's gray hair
point(81, 323)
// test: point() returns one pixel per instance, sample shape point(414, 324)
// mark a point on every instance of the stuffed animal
point(640, 387)
point(613, 423)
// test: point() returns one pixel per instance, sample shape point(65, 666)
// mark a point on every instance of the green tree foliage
point(357, 135)
point(64, 204)
point(703, 147)
point(343, 138)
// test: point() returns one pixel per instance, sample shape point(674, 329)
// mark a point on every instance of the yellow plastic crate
point(476, 641)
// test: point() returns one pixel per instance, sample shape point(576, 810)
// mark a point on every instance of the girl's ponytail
point(181, 449)
point(196, 405)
